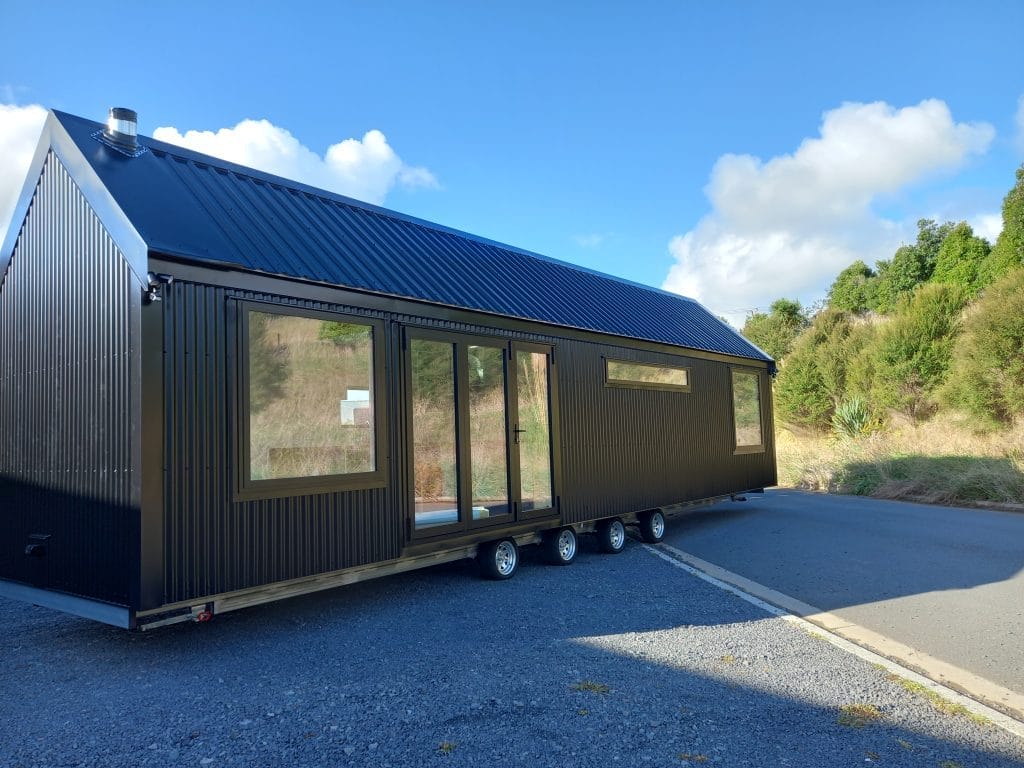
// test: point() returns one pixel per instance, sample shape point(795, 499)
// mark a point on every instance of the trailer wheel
point(498, 559)
point(611, 535)
point(560, 546)
point(652, 526)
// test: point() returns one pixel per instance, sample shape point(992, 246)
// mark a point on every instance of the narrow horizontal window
point(650, 375)
point(746, 403)
point(311, 399)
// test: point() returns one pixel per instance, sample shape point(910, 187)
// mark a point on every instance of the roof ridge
point(194, 156)
point(187, 204)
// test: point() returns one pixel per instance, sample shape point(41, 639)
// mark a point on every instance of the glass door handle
point(517, 431)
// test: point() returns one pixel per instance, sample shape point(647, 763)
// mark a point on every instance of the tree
point(987, 374)
point(1008, 252)
point(348, 335)
point(908, 358)
point(775, 331)
point(852, 290)
point(813, 379)
point(910, 266)
point(898, 277)
point(960, 258)
point(930, 237)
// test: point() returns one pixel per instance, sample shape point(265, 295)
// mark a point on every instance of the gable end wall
point(69, 312)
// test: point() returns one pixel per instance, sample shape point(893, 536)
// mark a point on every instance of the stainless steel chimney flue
point(122, 128)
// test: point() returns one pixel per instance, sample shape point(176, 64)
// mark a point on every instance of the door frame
point(553, 431)
point(460, 343)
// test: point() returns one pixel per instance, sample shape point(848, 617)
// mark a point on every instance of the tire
point(499, 559)
point(560, 546)
point(611, 536)
point(652, 526)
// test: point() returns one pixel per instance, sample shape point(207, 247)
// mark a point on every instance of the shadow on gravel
point(619, 660)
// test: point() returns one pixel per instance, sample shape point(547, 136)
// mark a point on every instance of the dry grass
point(590, 686)
point(938, 702)
point(941, 461)
point(858, 715)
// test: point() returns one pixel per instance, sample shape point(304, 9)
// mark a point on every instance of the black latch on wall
point(36, 546)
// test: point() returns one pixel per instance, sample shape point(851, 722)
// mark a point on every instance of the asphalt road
point(617, 660)
point(947, 581)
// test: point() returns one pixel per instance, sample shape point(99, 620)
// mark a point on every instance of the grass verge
point(942, 461)
point(938, 703)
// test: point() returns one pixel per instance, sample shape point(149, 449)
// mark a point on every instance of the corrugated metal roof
point(190, 205)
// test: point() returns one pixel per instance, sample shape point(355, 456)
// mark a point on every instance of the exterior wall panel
point(623, 449)
point(628, 449)
point(69, 311)
point(214, 543)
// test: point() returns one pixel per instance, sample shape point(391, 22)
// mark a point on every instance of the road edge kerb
point(1001, 706)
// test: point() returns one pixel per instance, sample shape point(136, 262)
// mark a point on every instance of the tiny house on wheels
point(220, 387)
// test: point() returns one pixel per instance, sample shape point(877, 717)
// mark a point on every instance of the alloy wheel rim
point(566, 545)
point(505, 558)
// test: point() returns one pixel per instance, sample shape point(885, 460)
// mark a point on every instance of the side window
point(746, 405)
point(623, 373)
point(310, 401)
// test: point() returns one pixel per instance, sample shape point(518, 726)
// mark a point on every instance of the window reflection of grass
point(535, 442)
point(297, 431)
point(642, 373)
point(747, 407)
point(487, 426)
point(433, 421)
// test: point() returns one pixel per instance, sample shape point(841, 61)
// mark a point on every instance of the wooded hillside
point(908, 381)
point(939, 326)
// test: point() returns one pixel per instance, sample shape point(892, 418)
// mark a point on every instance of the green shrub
point(1008, 252)
point(851, 418)
point(909, 356)
point(812, 379)
point(960, 259)
point(987, 374)
point(910, 266)
point(775, 332)
point(853, 290)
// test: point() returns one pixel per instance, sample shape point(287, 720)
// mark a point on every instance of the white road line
point(860, 641)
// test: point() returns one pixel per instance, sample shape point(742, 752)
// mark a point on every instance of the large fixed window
point(625, 373)
point(310, 401)
point(746, 405)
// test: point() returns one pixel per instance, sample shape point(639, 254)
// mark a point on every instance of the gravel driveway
point(615, 660)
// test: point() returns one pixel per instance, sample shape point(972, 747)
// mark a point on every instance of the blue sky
point(734, 151)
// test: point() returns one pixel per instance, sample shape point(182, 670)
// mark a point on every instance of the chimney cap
point(122, 128)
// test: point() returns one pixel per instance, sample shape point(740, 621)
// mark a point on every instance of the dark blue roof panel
point(189, 205)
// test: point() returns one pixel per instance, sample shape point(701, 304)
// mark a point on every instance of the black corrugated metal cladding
point(66, 319)
point(628, 449)
point(214, 544)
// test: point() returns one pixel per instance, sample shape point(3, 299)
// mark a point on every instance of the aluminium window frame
point(247, 489)
point(461, 342)
point(756, 373)
point(632, 384)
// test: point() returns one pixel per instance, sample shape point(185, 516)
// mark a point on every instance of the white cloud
point(594, 240)
point(787, 226)
point(19, 133)
point(366, 168)
point(987, 225)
